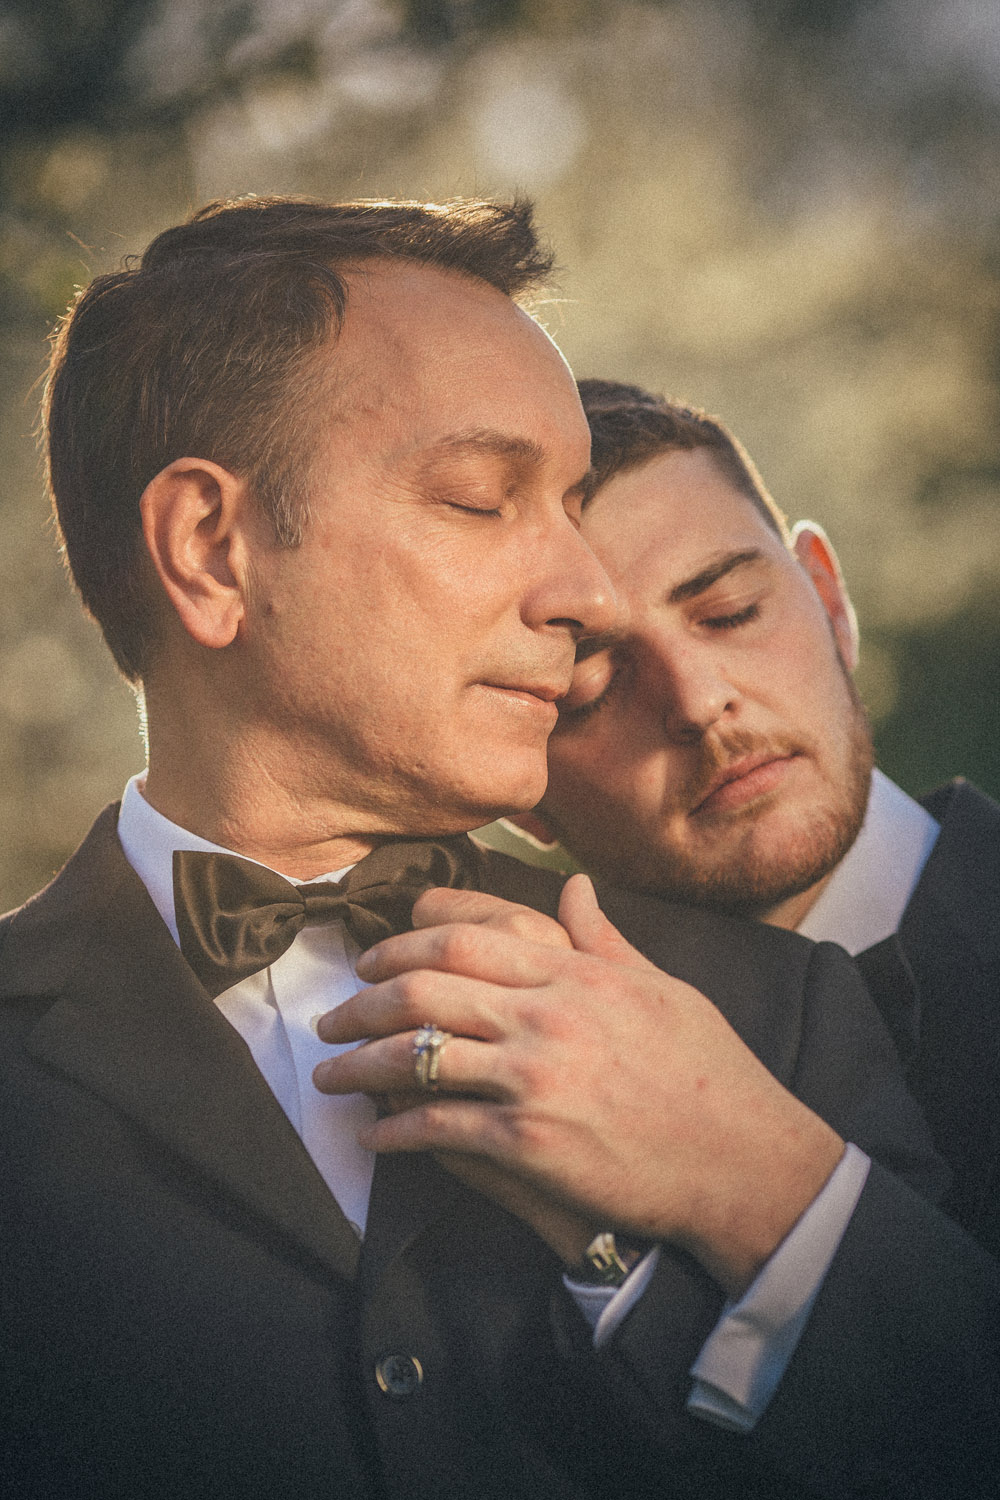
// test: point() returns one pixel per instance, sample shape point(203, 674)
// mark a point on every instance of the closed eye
point(473, 510)
point(570, 717)
point(734, 621)
point(593, 680)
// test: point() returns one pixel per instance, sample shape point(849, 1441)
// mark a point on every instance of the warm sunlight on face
point(716, 752)
point(408, 654)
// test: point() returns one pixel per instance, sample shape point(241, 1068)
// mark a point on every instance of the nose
point(687, 686)
point(571, 589)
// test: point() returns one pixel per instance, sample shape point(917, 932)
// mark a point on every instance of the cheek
point(818, 691)
point(795, 669)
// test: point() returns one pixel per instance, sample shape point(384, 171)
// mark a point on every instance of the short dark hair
point(205, 346)
point(629, 426)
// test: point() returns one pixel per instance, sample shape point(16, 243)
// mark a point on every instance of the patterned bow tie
point(235, 917)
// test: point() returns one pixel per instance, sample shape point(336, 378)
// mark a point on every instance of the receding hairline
point(355, 380)
point(216, 340)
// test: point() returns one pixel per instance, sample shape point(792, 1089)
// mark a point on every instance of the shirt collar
point(865, 900)
point(149, 840)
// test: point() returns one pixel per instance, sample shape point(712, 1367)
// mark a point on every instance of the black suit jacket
point(186, 1311)
point(937, 982)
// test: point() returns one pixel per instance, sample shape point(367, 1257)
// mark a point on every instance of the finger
point(469, 1126)
point(388, 1066)
point(446, 904)
point(478, 951)
point(588, 927)
point(456, 1003)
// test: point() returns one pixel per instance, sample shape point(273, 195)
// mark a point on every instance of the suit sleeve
point(894, 1389)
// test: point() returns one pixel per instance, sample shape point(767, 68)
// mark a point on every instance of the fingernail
point(321, 1024)
point(365, 962)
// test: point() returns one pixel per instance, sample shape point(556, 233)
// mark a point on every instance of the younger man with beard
point(718, 753)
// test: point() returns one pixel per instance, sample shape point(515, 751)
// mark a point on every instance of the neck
point(217, 779)
point(238, 775)
point(298, 841)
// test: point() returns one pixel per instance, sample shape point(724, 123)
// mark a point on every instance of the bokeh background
point(786, 212)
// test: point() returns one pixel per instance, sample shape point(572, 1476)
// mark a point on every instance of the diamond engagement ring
point(427, 1047)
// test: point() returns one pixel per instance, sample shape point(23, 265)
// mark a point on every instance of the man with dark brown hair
point(708, 540)
point(319, 479)
point(718, 753)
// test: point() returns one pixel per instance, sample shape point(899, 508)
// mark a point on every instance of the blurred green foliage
point(786, 212)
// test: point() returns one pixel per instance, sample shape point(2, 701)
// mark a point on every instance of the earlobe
point(814, 551)
point(192, 519)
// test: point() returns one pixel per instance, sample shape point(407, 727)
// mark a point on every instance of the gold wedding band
point(428, 1045)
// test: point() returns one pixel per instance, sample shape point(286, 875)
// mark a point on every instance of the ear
point(814, 551)
point(193, 518)
point(534, 828)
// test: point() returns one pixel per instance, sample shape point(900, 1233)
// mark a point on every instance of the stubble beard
point(747, 882)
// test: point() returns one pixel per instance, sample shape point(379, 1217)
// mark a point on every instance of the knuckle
point(528, 1078)
point(523, 922)
point(546, 1022)
point(414, 991)
point(457, 946)
point(593, 981)
point(432, 902)
point(433, 1118)
point(529, 926)
point(526, 1135)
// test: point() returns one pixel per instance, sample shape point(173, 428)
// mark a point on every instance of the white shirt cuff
point(604, 1307)
point(745, 1356)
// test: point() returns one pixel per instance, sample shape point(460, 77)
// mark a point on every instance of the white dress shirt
point(865, 899)
point(275, 1010)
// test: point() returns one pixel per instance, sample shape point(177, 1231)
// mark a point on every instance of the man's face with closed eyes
point(715, 751)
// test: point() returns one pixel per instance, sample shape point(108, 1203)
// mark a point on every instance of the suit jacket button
point(399, 1374)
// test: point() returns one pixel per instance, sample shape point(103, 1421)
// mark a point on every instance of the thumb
point(588, 927)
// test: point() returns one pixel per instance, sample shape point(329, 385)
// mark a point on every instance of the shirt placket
point(314, 976)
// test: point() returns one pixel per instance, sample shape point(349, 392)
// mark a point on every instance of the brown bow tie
point(235, 917)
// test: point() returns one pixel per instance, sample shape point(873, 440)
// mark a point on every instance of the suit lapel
point(128, 1021)
point(951, 935)
point(959, 889)
point(952, 919)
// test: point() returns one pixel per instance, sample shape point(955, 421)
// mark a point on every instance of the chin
point(509, 787)
point(777, 852)
point(471, 807)
point(752, 881)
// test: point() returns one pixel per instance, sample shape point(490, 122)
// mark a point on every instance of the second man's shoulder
point(685, 940)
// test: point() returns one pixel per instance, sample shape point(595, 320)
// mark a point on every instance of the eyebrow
point(692, 587)
point(486, 440)
point(496, 445)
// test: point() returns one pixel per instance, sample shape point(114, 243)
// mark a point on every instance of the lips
point(531, 694)
point(745, 780)
point(547, 693)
